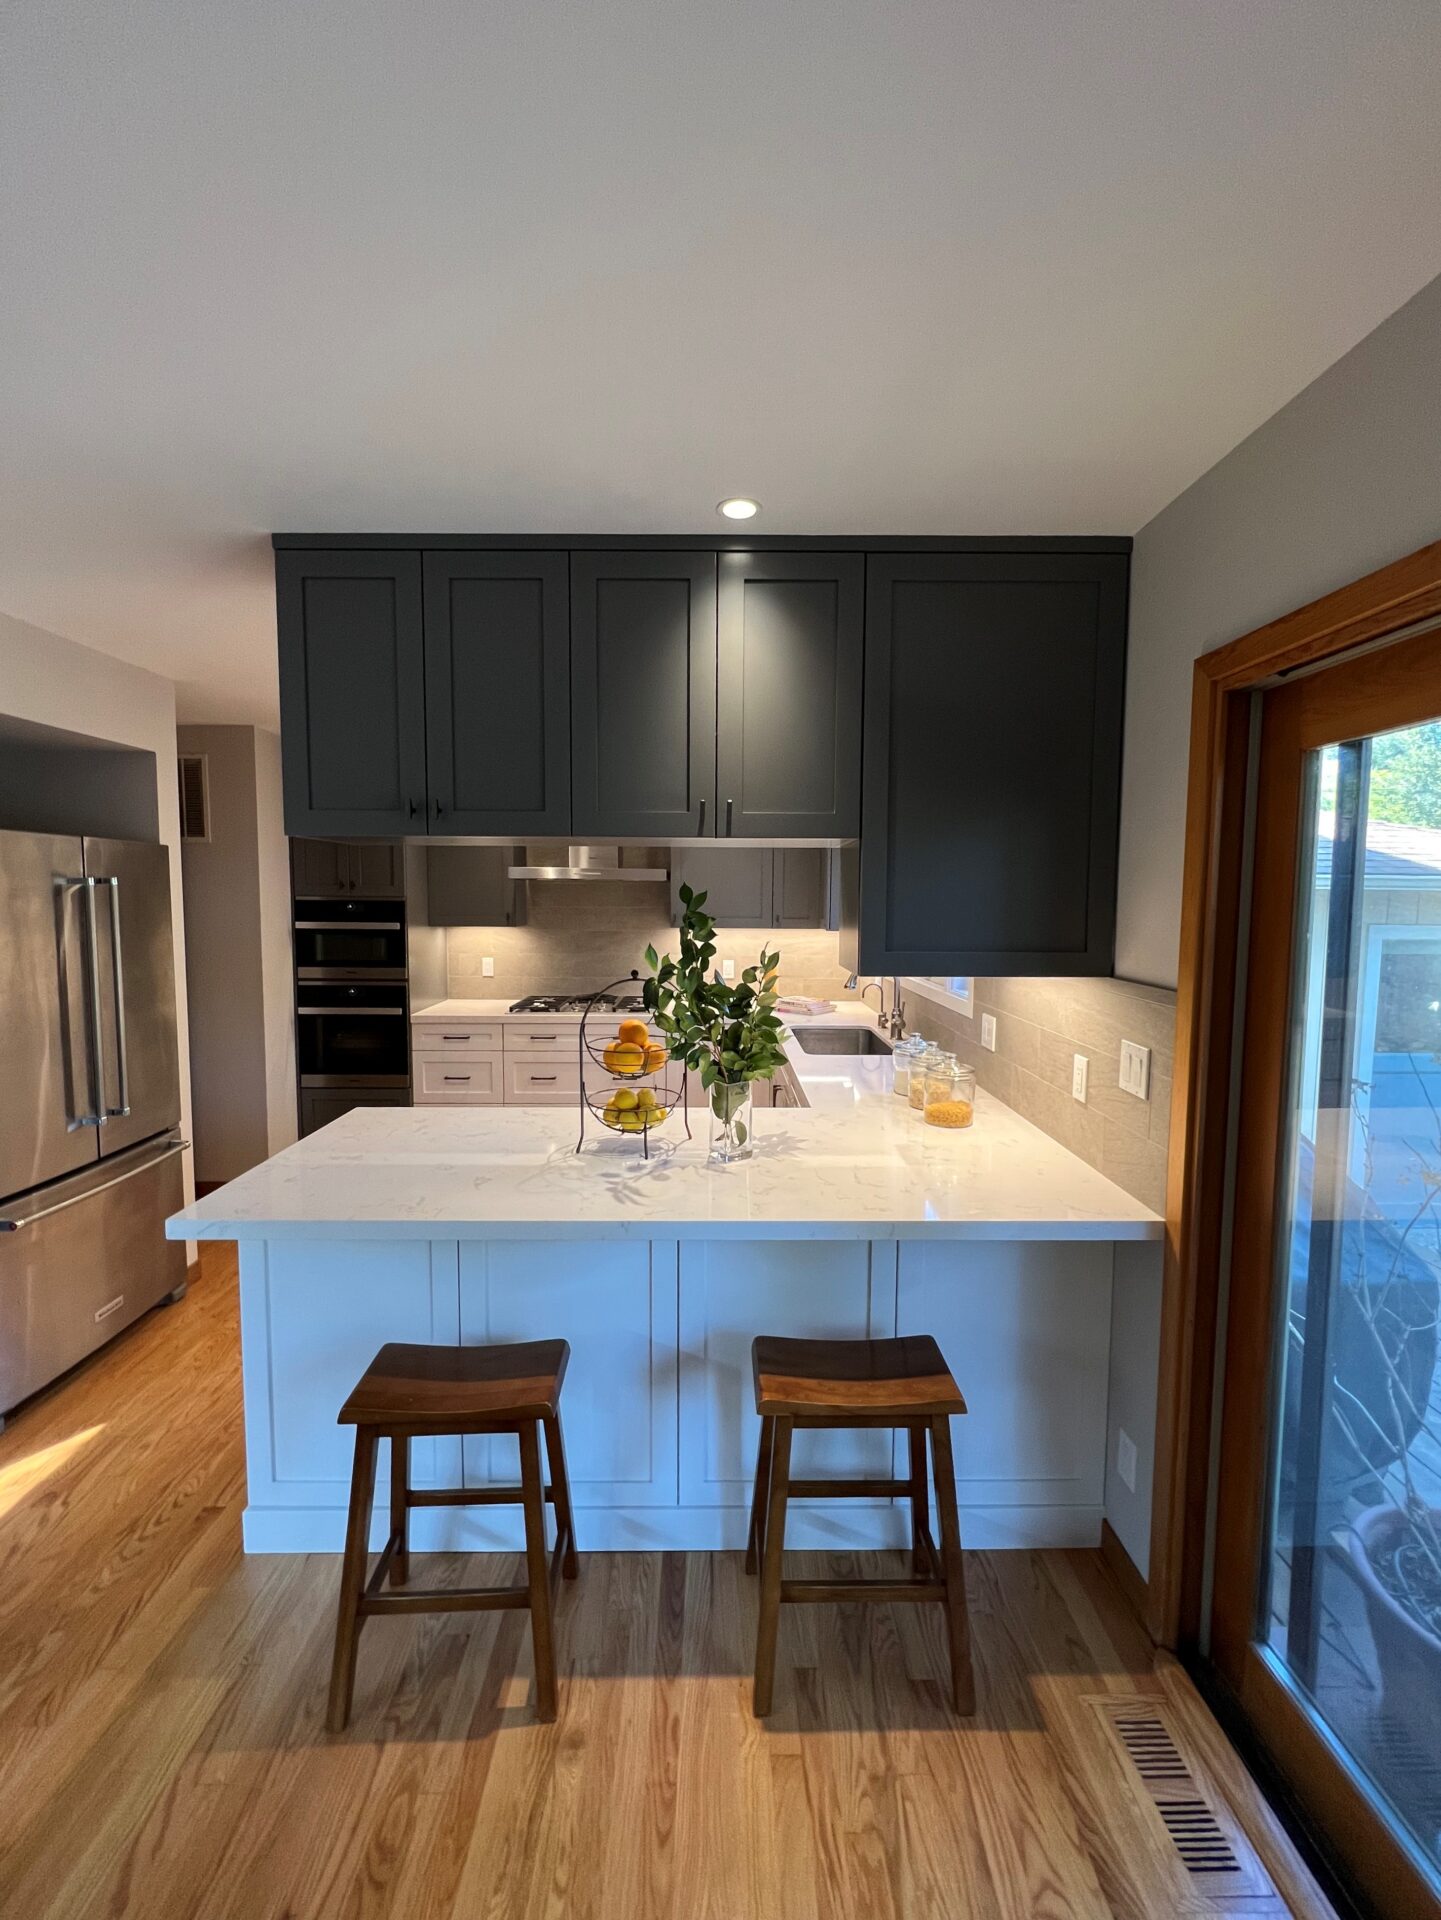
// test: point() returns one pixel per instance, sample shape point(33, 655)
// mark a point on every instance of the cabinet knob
point(414, 808)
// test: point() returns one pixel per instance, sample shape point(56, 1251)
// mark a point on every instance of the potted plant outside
point(725, 1030)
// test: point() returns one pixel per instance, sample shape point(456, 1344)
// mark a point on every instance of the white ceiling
point(952, 266)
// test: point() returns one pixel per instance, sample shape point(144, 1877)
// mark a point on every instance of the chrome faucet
point(892, 1022)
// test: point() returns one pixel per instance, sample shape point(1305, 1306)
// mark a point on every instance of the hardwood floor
point(162, 1704)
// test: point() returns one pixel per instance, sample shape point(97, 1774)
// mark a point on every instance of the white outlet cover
point(1136, 1069)
point(728, 969)
point(1080, 1070)
point(1126, 1458)
point(988, 1031)
point(487, 966)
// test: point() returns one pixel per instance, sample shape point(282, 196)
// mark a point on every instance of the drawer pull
point(550, 1038)
point(542, 1076)
point(455, 1036)
point(457, 1076)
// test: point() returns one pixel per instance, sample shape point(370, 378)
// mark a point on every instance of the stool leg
point(533, 1496)
point(755, 1541)
point(920, 1501)
point(963, 1685)
point(352, 1580)
point(400, 1506)
point(775, 1540)
point(560, 1487)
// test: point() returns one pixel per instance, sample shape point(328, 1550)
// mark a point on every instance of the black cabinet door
point(643, 693)
point(378, 870)
point(789, 737)
point(320, 1105)
point(994, 694)
point(497, 692)
point(802, 884)
point(323, 869)
point(352, 691)
point(738, 883)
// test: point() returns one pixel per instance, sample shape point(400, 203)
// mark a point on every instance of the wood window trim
point(1377, 607)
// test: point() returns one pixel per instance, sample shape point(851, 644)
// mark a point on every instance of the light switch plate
point(1136, 1069)
point(988, 1031)
point(487, 966)
point(1126, 1458)
point(1080, 1069)
point(728, 969)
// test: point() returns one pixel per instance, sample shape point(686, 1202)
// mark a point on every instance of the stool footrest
point(824, 1590)
point(847, 1489)
point(446, 1600)
point(471, 1496)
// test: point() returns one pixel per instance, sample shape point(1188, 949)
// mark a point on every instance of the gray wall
point(1344, 479)
point(237, 957)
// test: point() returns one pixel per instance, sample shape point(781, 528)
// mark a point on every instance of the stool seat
point(904, 1379)
point(431, 1387)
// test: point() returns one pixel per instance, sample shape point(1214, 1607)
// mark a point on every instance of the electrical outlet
point(988, 1032)
point(1136, 1069)
point(1126, 1458)
point(1080, 1068)
point(728, 969)
point(487, 966)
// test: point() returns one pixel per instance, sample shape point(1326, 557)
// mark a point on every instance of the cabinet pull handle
point(730, 809)
point(542, 1076)
point(455, 1036)
point(414, 808)
point(701, 828)
point(437, 806)
point(549, 1038)
point(457, 1076)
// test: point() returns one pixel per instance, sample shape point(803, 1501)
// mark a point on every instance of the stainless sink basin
point(847, 1040)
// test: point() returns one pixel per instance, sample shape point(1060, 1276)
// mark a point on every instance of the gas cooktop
point(578, 1002)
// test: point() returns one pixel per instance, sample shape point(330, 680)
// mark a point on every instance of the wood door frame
point(1378, 607)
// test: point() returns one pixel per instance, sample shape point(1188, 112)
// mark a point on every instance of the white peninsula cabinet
point(455, 1226)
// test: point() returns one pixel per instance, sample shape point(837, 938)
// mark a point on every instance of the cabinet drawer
point(541, 1083)
point(469, 1080)
point(455, 1036)
point(542, 1041)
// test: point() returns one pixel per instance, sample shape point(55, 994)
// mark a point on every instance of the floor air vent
point(1219, 1867)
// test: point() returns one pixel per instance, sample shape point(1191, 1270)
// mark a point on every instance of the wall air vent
point(194, 796)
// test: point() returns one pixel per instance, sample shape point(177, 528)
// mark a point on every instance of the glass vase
point(731, 1135)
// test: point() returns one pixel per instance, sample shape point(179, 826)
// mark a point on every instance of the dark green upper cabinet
point(789, 708)
point(643, 694)
point(352, 691)
point(993, 712)
point(497, 692)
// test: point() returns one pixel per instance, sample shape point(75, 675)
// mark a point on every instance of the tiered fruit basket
point(646, 1085)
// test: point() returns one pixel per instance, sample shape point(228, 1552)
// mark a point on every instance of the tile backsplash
point(577, 937)
point(1040, 1026)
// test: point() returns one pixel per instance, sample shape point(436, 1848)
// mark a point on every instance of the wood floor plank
point(162, 1699)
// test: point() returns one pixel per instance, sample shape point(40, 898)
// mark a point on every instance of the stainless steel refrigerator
point(89, 1099)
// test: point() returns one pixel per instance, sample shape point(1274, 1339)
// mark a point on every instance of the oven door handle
point(369, 1013)
point(347, 926)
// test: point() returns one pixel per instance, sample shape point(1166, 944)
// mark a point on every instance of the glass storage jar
point(950, 1094)
point(920, 1066)
point(903, 1056)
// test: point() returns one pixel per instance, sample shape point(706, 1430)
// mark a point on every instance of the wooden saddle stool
point(858, 1383)
point(409, 1391)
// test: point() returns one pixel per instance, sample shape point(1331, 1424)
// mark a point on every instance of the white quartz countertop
point(859, 1165)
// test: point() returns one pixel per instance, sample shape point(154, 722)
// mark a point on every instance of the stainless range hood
point(589, 863)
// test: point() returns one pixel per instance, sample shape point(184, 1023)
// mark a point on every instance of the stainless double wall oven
point(352, 1005)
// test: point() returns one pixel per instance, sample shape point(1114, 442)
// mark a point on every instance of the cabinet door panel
point(789, 742)
point(994, 687)
point(737, 882)
point(497, 692)
point(615, 1304)
point(731, 1291)
point(643, 661)
point(379, 870)
point(1026, 1328)
point(802, 882)
point(352, 691)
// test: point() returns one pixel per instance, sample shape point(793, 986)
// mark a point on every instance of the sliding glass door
point(1326, 1620)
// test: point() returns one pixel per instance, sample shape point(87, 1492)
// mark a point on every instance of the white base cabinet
point(658, 1406)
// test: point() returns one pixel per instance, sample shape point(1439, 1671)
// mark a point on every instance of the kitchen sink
point(848, 1040)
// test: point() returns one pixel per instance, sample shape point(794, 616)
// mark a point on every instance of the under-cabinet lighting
point(739, 509)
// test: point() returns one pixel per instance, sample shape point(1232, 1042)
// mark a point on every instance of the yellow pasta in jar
point(949, 1113)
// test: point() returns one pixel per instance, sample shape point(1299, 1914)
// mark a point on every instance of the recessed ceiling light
point(739, 509)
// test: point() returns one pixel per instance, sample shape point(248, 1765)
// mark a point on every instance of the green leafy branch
point(725, 1030)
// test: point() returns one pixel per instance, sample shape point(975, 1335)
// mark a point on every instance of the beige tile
point(1162, 1091)
point(1135, 1164)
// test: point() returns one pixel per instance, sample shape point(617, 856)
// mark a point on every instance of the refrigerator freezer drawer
point(81, 1259)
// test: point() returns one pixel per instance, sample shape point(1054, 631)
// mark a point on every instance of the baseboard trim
point(1126, 1574)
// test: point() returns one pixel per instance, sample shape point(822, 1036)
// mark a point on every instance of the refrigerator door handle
point(122, 1065)
point(11, 1223)
point(97, 1032)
